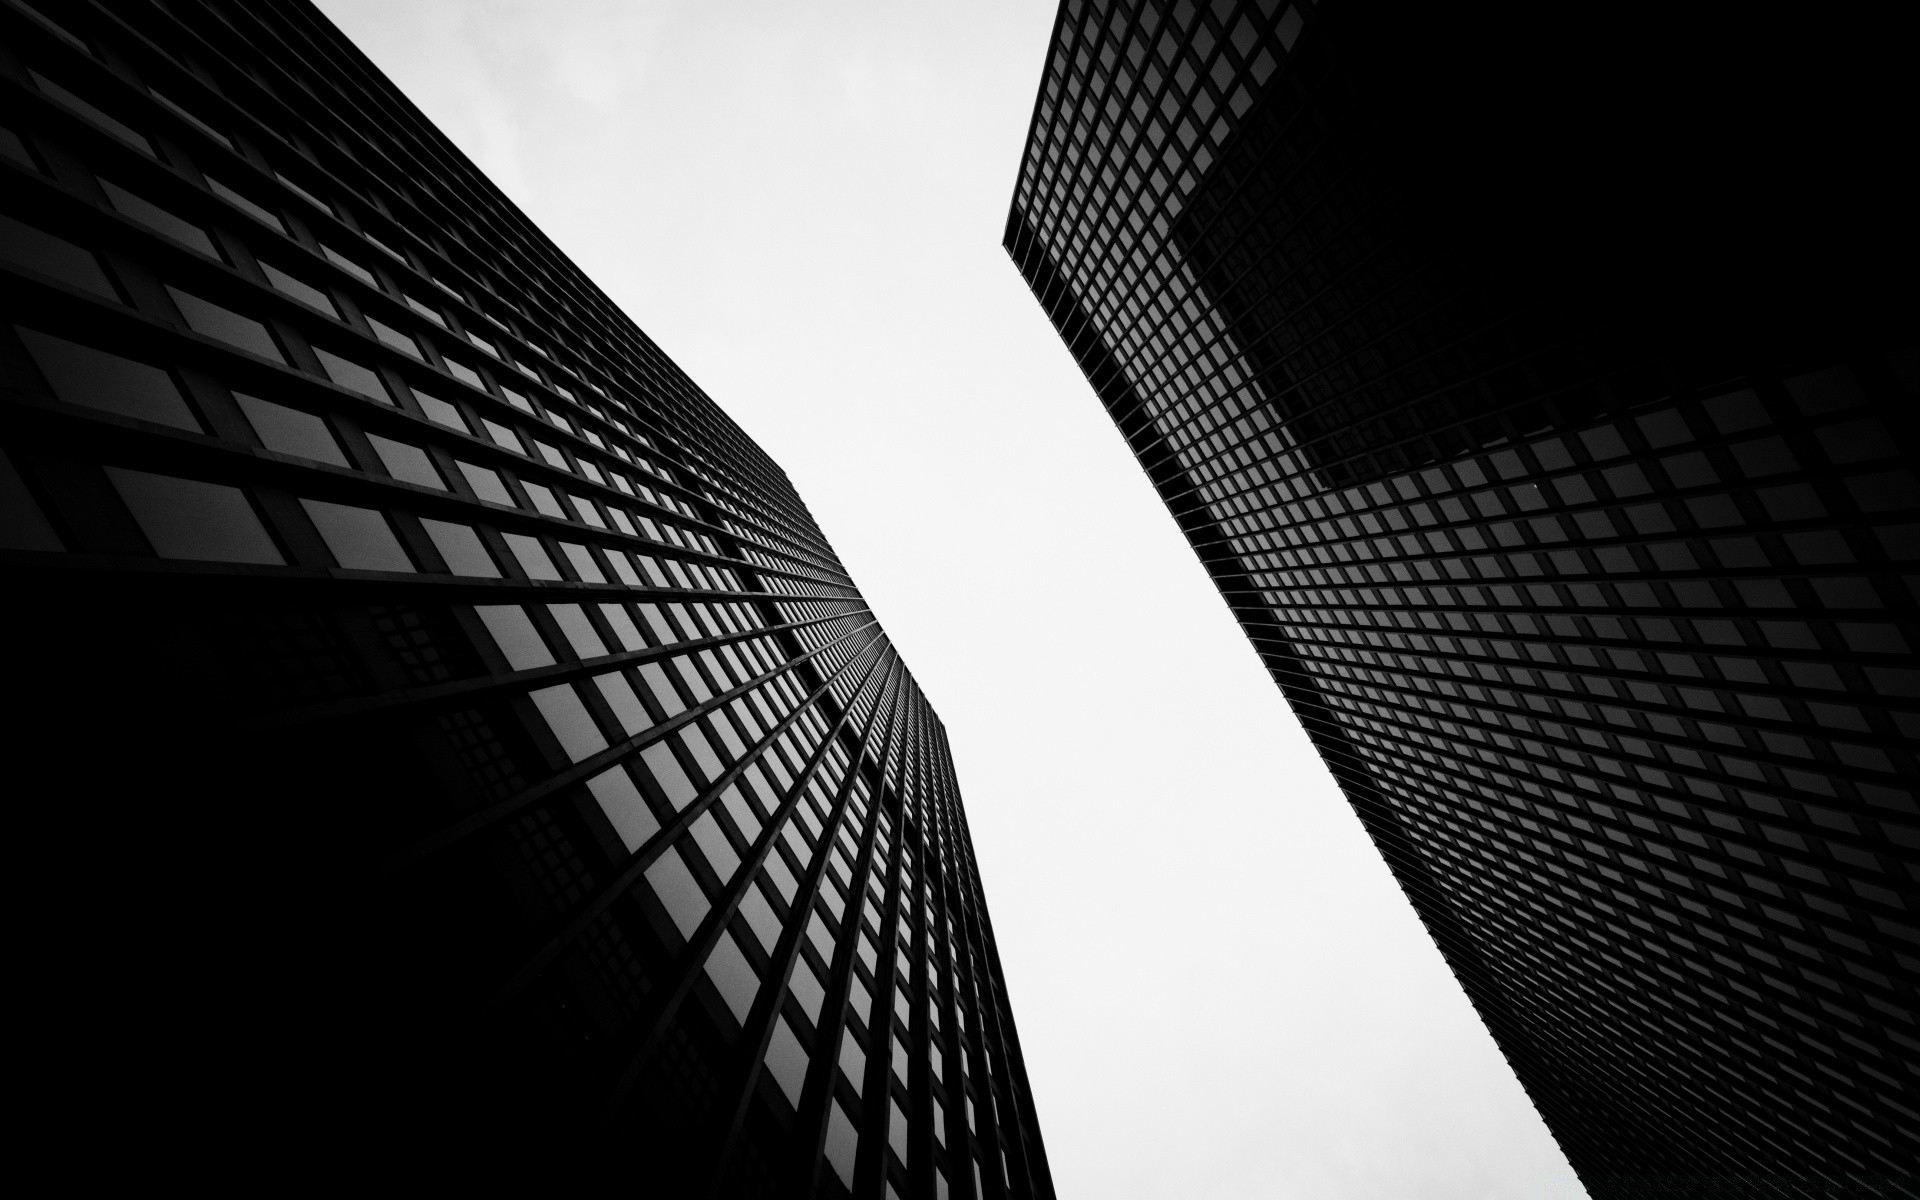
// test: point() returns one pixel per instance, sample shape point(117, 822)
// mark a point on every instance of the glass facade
point(447, 733)
point(1541, 396)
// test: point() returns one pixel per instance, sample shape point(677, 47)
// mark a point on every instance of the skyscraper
point(1539, 391)
point(441, 732)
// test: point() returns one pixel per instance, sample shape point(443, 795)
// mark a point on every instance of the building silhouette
point(443, 736)
point(1538, 389)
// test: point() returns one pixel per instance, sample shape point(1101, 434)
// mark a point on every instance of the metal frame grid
point(635, 833)
point(1606, 636)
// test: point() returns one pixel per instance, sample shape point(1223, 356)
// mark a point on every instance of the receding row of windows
point(1823, 824)
point(38, 250)
point(1760, 895)
point(1872, 988)
point(733, 967)
point(266, 215)
point(182, 230)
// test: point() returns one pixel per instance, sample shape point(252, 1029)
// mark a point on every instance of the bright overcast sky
point(1219, 989)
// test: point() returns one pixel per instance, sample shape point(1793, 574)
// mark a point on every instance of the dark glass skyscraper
point(1538, 386)
point(441, 735)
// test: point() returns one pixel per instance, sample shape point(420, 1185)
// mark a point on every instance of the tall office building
point(441, 732)
point(1538, 387)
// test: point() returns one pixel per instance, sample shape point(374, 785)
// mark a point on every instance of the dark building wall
point(443, 739)
point(1539, 392)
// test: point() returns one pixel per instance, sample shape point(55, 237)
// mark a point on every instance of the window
point(36, 250)
point(626, 809)
point(531, 556)
point(206, 317)
point(579, 631)
point(464, 373)
point(543, 500)
point(733, 976)
point(352, 376)
point(158, 219)
point(787, 1060)
point(258, 212)
point(486, 484)
point(443, 413)
point(583, 564)
point(188, 519)
point(760, 918)
point(572, 725)
point(465, 553)
point(843, 1140)
point(669, 775)
point(519, 641)
point(95, 379)
point(402, 342)
point(807, 990)
point(93, 114)
point(713, 843)
point(300, 290)
point(359, 538)
point(678, 892)
point(289, 431)
point(347, 264)
point(409, 464)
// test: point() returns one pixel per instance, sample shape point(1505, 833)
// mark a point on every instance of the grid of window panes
point(265, 326)
point(1624, 694)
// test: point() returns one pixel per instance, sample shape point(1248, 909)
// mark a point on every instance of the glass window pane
point(516, 636)
point(678, 891)
point(290, 431)
point(626, 706)
point(667, 772)
point(842, 1142)
point(787, 1061)
point(206, 317)
point(158, 219)
point(570, 721)
point(733, 975)
point(353, 376)
point(185, 518)
point(440, 411)
point(409, 464)
point(36, 250)
point(360, 538)
point(300, 290)
point(532, 556)
point(583, 564)
point(625, 808)
point(93, 378)
point(486, 484)
point(465, 553)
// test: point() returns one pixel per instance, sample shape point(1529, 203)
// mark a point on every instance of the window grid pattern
point(265, 328)
point(1622, 688)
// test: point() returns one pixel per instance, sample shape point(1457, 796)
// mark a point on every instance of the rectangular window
point(95, 379)
point(93, 114)
point(188, 519)
point(210, 319)
point(625, 808)
point(158, 219)
point(258, 212)
point(289, 431)
point(409, 464)
point(573, 726)
point(352, 376)
point(300, 290)
point(36, 250)
point(465, 553)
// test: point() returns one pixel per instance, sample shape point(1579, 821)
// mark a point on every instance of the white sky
point(1219, 989)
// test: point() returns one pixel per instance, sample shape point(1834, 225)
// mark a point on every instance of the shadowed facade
point(449, 742)
point(1539, 391)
